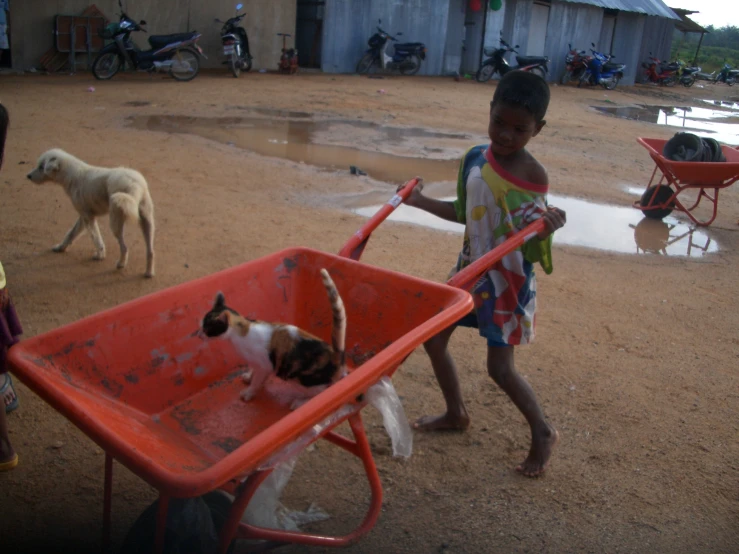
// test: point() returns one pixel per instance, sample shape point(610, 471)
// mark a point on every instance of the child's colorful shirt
point(493, 205)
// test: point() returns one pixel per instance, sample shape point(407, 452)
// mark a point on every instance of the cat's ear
point(220, 300)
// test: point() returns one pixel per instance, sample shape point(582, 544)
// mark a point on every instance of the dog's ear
point(51, 165)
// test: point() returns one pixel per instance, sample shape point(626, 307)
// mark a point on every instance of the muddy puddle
point(385, 153)
point(720, 124)
point(591, 225)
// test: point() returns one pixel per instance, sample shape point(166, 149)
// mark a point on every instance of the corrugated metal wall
point(33, 24)
point(627, 43)
point(657, 38)
point(348, 25)
point(576, 24)
point(455, 32)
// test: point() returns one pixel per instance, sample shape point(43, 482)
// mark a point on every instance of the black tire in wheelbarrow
point(191, 529)
point(664, 193)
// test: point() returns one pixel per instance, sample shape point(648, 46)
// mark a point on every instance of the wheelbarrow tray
point(695, 173)
point(141, 383)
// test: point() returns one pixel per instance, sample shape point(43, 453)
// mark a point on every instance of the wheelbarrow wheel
point(664, 193)
point(190, 528)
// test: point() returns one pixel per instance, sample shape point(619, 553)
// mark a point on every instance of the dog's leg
point(97, 239)
point(117, 219)
point(69, 238)
point(146, 220)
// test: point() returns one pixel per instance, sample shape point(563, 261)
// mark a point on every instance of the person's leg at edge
point(543, 436)
point(7, 453)
point(455, 417)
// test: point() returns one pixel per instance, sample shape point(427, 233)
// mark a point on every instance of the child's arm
point(440, 208)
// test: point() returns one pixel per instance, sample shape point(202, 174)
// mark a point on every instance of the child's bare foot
point(445, 422)
point(542, 445)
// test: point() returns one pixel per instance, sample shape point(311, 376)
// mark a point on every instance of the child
point(9, 330)
point(500, 189)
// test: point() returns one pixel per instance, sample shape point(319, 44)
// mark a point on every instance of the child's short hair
point(524, 89)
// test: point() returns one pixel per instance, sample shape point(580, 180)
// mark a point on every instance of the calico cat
point(305, 362)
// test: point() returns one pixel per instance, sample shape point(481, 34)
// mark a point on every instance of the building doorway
point(309, 32)
point(5, 55)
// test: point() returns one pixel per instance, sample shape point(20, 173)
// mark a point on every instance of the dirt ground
point(635, 360)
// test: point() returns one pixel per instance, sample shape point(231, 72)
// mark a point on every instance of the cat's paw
point(247, 395)
point(246, 376)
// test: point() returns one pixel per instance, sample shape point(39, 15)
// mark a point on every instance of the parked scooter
point(235, 43)
point(176, 54)
point(496, 63)
point(577, 62)
point(288, 58)
point(600, 71)
point(406, 58)
point(686, 75)
point(727, 75)
point(657, 72)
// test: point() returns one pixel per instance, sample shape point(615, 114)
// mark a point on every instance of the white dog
point(96, 191)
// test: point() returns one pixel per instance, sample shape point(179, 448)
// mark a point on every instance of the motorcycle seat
point(409, 46)
point(613, 67)
point(531, 60)
point(158, 41)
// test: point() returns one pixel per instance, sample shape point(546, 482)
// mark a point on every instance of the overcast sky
point(718, 13)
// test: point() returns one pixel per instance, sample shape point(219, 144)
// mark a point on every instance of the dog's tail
point(126, 204)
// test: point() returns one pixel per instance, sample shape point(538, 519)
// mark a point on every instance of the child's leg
point(543, 436)
point(6, 449)
point(455, 417)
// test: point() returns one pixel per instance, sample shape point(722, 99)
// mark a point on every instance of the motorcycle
point(686, 75)
point(727, 75)
point(496, 63)
point(656, 72)
point(176, 54)
point(577, 61)
point(600, 71)
point(235, 43)
point(289, 58)
point(406, 58)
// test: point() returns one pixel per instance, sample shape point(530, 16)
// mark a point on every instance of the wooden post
point(695, 60)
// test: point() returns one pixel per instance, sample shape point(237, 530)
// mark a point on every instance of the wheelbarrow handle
point(354, 247)
point(467, 277)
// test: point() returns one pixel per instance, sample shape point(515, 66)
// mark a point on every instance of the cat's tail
point(338, 332)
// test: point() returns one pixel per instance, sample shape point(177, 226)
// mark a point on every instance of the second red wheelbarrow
point(706, 178)
point(140, 383)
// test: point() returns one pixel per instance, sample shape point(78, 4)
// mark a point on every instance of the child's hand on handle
point(415, 194)
point(554, 219)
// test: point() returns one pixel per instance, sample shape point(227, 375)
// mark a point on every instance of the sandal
point(10, 464)
point(9, 385)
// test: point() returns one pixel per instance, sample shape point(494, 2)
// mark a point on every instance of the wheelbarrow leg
point(107, 498)
point(161, 528)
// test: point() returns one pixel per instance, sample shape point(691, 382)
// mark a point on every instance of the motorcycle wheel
point(584, 79)
point(235, 64)
point(612, 84)
point(566, 78)
point(539, 71)
point(246, 64)
point(688, 82)
point(106, 65)
point(411, 65)
point(484, 73)
point(185, 65)
point(365, 64)
point(730, 82)
point(668, 81)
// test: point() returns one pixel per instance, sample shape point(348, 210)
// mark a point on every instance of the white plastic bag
point(384, 398)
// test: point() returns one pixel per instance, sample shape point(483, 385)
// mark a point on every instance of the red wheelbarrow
point(661, 198)
point(140, 383)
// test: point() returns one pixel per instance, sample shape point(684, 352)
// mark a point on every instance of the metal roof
point(648, 7)
point(687, 25)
